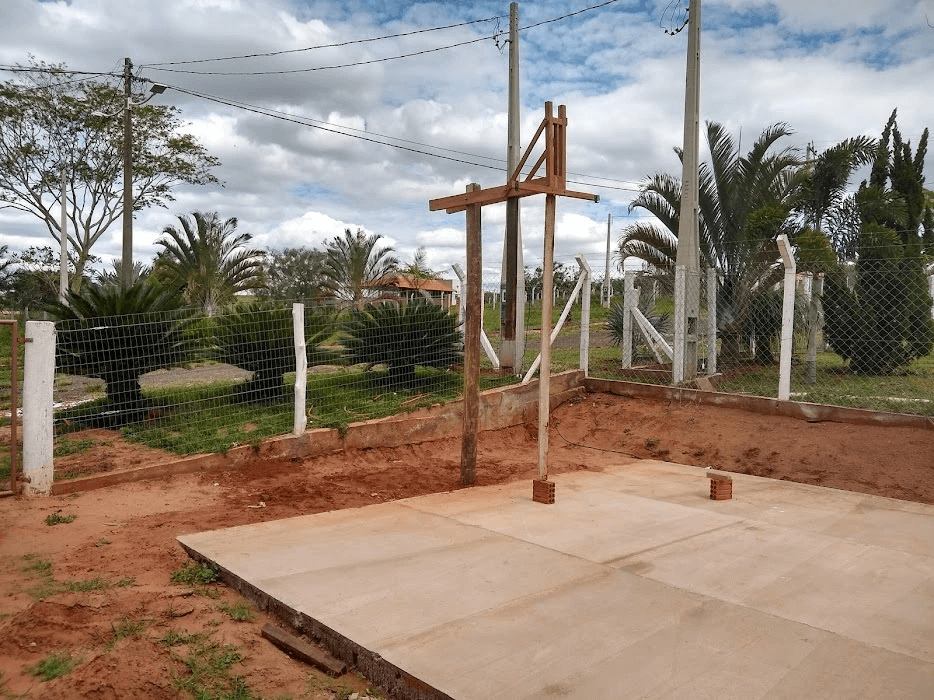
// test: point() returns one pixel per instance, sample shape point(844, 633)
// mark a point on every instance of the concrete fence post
point(38, 380)
point(629, 302)
point(301, 368)
point(681, 330)
point(586, 276)
point(788, 318)
point(711, 320)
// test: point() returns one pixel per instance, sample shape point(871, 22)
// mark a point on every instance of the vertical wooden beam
point(561, 155)
point(472, 328)
point(544, 375)
point(549, 145)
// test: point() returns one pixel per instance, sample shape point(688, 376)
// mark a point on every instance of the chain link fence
point(861, 335)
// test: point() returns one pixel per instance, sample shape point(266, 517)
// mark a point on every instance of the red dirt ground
point(129, 531)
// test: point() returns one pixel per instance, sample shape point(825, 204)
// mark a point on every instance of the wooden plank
point(474, 310)
point(302, 650)
point(544, 375)
point(528, 152)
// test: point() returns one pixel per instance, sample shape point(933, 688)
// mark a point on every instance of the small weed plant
point(194, 574)
point(241, 611)
point(55, 665)
point(59, 519)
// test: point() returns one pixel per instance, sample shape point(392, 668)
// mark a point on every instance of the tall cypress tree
point(885, 321)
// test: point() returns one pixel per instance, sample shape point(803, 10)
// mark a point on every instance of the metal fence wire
point(185, 381)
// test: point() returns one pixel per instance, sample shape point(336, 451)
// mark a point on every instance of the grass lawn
point(206, 418)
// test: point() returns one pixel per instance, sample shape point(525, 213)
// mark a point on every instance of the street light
point(126, 265)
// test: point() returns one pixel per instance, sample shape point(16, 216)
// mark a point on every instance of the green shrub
point(258, 337)
point(402, 338)
point(119, 334)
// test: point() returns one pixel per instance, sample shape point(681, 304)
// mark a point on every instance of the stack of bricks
point(543, 491)
point(721, 487)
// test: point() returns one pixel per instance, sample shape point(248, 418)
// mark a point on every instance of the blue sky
point(831, 70)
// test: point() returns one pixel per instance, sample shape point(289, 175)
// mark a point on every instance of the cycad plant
point(744, 202)
point(402, 338)
point(118, 334)
point(206, 259)
point(259, 337)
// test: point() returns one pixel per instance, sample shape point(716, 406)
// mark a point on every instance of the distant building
point(407, 289)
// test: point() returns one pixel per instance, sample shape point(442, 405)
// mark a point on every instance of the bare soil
point(129, 531)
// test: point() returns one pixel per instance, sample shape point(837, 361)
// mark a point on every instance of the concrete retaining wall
point(499, 408)
point(811, 412)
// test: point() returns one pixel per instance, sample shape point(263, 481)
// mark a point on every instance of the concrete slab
point(634, 584)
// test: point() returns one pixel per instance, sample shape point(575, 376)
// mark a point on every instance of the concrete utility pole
point(687, 263)
point(63, 256)
point(126, 271)
point(512, 309)
point(607, 286)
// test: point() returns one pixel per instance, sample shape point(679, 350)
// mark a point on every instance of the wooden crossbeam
point(554, 181)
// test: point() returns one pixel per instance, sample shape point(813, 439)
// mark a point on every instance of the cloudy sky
point(830, 69)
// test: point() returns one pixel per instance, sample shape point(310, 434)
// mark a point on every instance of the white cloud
point(814, 65)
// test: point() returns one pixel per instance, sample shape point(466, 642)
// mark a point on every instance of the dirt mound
point(105, 578)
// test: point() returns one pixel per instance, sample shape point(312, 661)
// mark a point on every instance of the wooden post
point(544, 374)
point(472, 327)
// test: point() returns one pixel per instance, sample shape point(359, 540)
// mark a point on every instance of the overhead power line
point(320, 46)
point(317, 68)
point(371, 138)
point(54, 71)
point(158, 66)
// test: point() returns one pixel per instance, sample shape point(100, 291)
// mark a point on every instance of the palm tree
point(354, 260)
point(207, 260)
point(744, 202)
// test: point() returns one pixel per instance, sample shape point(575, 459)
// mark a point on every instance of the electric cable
point(317, 124)
point(320, 46)
point(157, 66)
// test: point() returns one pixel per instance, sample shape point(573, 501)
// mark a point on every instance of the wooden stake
point(544, 374)
point(472, 328)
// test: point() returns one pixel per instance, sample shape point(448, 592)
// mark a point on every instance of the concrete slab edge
point(500, 408)
point(811, 412)
point(390, 679)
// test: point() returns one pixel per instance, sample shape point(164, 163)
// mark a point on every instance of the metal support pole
point(474, 304)
point(126, 271)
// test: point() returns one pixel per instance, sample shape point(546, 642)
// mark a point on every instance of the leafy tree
point(744, 203)
point(354, 260)
point(258, 337)
point(294, 273)
point(33, 279)
point(403, 337)
point(118, 334)
point(47, 126)
point(206, 259)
